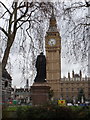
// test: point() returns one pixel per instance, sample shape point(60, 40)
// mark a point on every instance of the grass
point(14, 108)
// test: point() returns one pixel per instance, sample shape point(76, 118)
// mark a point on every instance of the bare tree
point(75, 25)
point(23, 27)
point(78, 27)
point(20, 19)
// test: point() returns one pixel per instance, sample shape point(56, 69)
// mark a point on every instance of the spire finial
point(53, 15)
point(52, 24)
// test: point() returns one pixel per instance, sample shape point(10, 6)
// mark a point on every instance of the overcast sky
point(17, 76)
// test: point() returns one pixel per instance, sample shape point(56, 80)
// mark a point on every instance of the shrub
point(49, 112)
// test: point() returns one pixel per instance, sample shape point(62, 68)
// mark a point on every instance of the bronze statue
point(41, 68)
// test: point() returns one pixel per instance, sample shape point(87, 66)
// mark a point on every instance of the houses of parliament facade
point(63, 88)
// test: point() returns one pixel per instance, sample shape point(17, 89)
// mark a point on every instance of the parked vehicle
point(69, 104)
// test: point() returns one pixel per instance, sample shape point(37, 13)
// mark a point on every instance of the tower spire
point(52, 13)
point(53, 23)
point(53, 19)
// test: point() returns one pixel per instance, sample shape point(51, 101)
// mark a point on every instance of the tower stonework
point(63, 88)
point(53, 57)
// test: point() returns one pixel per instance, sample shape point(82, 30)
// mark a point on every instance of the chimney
point(73, 74)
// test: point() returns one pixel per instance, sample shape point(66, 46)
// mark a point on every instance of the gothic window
point(77, 89)
point(61, 84)
point(66, 89)
point(61, 89)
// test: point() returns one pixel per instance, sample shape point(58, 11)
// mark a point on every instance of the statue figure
point(40, 68)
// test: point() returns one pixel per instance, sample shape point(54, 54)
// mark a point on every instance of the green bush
point(50, 112)
point(83, 113)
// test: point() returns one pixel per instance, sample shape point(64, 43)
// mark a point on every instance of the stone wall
point(70, 88)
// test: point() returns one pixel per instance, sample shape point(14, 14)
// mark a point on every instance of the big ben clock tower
point(53, 57)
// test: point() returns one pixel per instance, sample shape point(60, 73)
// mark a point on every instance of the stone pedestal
point(39, 93)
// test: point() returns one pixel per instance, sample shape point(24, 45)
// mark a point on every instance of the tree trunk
point(7, 51)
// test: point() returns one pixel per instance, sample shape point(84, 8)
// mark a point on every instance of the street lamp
point(0, 91)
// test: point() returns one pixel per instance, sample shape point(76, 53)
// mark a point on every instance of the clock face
point(52, 42)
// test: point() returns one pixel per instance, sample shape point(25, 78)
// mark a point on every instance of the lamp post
point(0, 91)
point(88, 34)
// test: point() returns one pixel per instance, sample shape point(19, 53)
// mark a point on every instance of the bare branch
point(24, 13)
point(15, 19)
point(5, 7)
point(2, 29)
point(87, 3)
